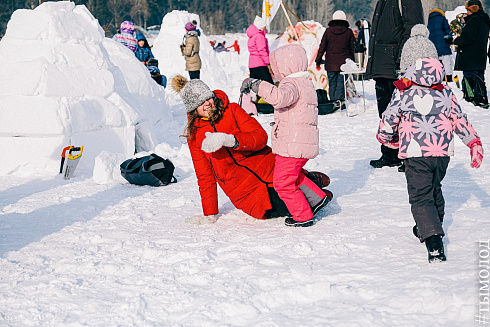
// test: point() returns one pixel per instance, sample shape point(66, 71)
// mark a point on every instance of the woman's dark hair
point(215, 114)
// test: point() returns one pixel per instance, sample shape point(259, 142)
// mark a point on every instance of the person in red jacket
point(229, 149)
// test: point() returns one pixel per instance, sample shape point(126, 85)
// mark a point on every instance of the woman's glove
point(215, 141)
point(202, 220)
point(250, 84)
point(476, 152)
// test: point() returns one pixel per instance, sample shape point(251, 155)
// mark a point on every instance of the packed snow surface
point(97, 251)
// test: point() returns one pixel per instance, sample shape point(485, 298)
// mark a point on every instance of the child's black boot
point(435, 248)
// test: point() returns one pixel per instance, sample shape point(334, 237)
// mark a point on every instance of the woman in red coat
point(229, 148)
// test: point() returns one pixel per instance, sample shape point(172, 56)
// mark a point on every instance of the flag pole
point(292, 12)
point(291, 24)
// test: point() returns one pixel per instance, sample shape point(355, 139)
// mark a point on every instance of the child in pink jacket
point(295, 133)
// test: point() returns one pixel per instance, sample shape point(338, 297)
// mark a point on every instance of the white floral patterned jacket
point(423, 114)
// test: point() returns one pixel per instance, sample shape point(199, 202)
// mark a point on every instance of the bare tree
point(140, 12)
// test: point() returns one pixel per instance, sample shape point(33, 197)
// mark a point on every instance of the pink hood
point(288, 60)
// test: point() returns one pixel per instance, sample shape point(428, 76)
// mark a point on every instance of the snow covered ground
point(97, 251)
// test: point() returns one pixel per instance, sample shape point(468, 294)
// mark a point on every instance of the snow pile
point(64, 83)
point(166, 48)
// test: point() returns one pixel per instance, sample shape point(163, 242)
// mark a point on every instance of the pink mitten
point(476, 152)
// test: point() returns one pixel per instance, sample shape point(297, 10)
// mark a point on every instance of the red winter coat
point(237, 171)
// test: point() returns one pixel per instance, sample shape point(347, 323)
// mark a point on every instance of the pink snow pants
point(287, 180)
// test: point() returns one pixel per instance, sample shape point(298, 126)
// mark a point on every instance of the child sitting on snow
point(420, 120)
point(295, 133)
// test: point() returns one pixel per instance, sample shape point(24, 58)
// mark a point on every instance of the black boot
point(384, 161)
point(435, 248)
point(293, 223)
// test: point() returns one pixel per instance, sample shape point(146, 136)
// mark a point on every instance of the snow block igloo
point(64, 83)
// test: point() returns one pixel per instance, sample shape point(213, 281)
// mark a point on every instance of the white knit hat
point(417, 46)
point(339, 15)
point(259, 22)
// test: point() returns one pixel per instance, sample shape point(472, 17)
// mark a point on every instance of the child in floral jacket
point(420, 121)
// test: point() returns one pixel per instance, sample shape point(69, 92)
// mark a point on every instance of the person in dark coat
point(337, 44)
point(439, 30)
point(472, 53)
point(143, 51)
point(391, 25)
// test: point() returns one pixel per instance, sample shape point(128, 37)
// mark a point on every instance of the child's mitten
point(202, 220)
point(250, 84)
point(476, 152)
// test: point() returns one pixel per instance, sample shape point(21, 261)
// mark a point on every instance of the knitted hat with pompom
point(193, 93)
point(417, 46)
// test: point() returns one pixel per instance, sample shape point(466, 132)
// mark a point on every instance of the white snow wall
point(166, 48)
point(64, 83)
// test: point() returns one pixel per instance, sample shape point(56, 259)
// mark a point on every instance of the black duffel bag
point(149, 170)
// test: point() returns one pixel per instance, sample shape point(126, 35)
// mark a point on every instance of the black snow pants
point(424, 176)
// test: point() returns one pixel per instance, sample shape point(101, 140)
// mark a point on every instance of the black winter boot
point(293, 223)
point(435, 248)
point(384, 161)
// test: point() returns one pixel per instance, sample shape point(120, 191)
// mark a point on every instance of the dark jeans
point(261, 73)
point(336, 87)
point(424, 176)
point(474, 88)
point(195, 74)
point(384, 91)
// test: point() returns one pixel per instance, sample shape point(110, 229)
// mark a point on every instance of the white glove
point(202, 220)
point(215, 141)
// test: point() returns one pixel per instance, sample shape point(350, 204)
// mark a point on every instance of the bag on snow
point(149, 170)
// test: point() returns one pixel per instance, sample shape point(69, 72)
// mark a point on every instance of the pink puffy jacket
point(258, 46)
point(295, 132)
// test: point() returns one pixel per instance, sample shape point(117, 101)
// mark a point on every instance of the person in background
point(143, 51)
point(258, 47)
point(391, 26)
point(295, 137)
point(229, 149)
point(439, 30)
point(471, 55)
point(190, 50)
point(126, 37)
point(426, 151)
point(152, 66)
point(235, 47)
point(338, 45)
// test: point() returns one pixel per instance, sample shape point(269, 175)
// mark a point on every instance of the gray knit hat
point(193, 93)
point(417, 46)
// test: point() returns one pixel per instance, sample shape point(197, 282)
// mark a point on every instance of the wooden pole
point(291, 24)
point(295, 15)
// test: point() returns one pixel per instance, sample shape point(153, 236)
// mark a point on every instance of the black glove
point(448, 39)
point(250, 84)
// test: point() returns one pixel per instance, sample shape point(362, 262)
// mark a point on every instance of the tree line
point(217, 16)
